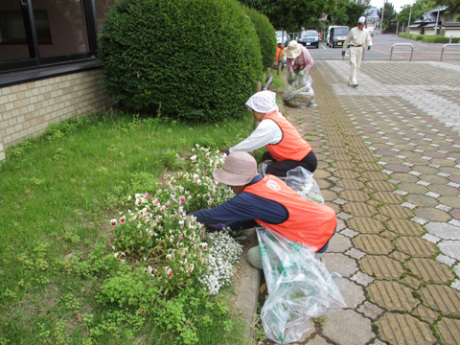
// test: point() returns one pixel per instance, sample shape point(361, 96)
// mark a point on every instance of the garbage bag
point(299, 93)
point(299, 287)
point(303, 182)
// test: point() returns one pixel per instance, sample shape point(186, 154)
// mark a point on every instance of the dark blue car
point(309, 38)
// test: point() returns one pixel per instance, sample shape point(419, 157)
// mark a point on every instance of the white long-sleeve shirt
point(358, 37)
point(267, 132)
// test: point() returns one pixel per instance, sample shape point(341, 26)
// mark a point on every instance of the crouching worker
point(286, 148)
point(269, 202)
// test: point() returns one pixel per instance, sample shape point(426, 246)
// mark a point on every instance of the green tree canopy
point(418, 9)
point(388, 15)
point(346, 12)
point(290, 15)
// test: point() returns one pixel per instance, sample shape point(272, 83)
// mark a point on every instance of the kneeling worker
point(269, 202)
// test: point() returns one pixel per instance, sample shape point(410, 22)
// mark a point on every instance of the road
point(381, 50)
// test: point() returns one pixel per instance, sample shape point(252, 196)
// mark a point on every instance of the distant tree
point(388, 15)
point(418, 9)
point(290, 15)
point(453, 6)
point(346, 12)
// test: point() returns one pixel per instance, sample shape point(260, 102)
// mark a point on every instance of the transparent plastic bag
point(299, 93)
point(303, 182)
point(299, 287)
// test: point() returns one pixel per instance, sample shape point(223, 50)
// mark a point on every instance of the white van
point(336, 35)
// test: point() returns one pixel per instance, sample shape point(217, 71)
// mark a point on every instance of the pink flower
point(123, 219)
point(182, 199)
point(204, 246)
point(116, 255)
point(168, 271)
point(155, 201)
point(113, 222)
point(147, 195)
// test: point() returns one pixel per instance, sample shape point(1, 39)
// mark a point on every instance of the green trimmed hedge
point(429, 38)
point(186, 59)
point(267, 36)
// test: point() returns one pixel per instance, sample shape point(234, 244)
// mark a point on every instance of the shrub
point(190, 59)
point(267, 36)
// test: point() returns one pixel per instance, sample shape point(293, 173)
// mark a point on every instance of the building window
point(41, 33)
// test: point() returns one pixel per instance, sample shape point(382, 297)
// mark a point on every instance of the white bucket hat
point(293, 50)
point(263, 102)
point(238, 170)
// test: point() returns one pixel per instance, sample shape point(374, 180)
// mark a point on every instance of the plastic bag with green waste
point(299, 287)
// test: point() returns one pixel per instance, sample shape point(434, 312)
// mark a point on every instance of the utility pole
point(437, 21)
point(383, 12)
point(410, 14)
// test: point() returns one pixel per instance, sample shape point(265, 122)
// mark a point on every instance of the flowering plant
point(158, 234)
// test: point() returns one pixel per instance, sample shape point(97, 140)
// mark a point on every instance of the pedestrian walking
point(286, 147)
point(359, 38)
point(269, 202)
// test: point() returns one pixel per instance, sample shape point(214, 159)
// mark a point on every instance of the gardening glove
point(227, 152)
point(218, 226)
point(343, 52)
point(369, 47)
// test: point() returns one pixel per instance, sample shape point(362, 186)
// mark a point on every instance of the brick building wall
point(27, 109)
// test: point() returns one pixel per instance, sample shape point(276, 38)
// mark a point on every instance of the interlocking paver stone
point(388, 198)
point(337, 327)
point(373, 244)
point(354, 195)
point(430, 270)
point(395, 211)
point(381, 267)
point(441, 298)
point(399, 329)
point(426, 314)
point(449, 331)
point(365, 225)
point(391, 295)
point(415, 246)
point(405, 227)
point(360, 209)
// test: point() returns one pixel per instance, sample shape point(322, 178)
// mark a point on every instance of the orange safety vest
point(309, 223)
point(292, 146)
point(278, 50)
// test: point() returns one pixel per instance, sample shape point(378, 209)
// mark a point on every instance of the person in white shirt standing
point(358, 38)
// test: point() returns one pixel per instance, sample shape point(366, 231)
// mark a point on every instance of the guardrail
point(403, 44)
point(448, 45)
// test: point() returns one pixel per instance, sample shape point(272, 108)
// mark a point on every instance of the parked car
point(371, 28)
point(283, 38)
point(309, 38)
point(336, 35)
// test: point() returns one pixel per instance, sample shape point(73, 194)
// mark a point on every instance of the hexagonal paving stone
point(442, 298)
point(348, 174)
point(449, 331)
point(365, 225)
point(430, 270)
point(388, 198)
point(381, 186)
point(375, 176)
point(405, 227)
point(342, 165)
point(415, 246)
point(398, 329)
point(340, 263)
point(432, 214)
point(443, 189)
point(370, 166)
point(352, 293)
point(426, 314)
point(412, 188)
point(392, 296)
point(381, 267)
point(354, 195)
point(373, 244)
point(350, 184)
point(337, 326)
point(421, 200)
point(395, 211)
point(359, 209)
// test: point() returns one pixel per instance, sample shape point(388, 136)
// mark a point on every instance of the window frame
point(35, 67)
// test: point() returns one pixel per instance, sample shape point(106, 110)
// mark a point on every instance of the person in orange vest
point(269, 202)
point(280, 54)
point(286, 148)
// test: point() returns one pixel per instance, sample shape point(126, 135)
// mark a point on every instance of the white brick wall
point(27, 109)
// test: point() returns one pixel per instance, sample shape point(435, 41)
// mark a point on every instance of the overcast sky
point(397, 4)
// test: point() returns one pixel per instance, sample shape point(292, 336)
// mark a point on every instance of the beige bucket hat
point(238, 170)
point(293, 50)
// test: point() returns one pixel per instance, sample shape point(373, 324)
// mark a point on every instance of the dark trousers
point(280, 168)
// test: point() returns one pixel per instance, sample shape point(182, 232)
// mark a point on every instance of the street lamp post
point(436, 25)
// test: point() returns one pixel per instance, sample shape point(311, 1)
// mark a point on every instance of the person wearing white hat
point(298, 57)
point(358, 39)
point(286, 148)
point(269, 202)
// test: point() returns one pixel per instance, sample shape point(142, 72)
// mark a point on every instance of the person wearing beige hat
point(298, 57)
point(269, 202)
point(286, 147)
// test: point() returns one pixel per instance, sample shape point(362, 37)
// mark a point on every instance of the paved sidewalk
point(389, 154)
